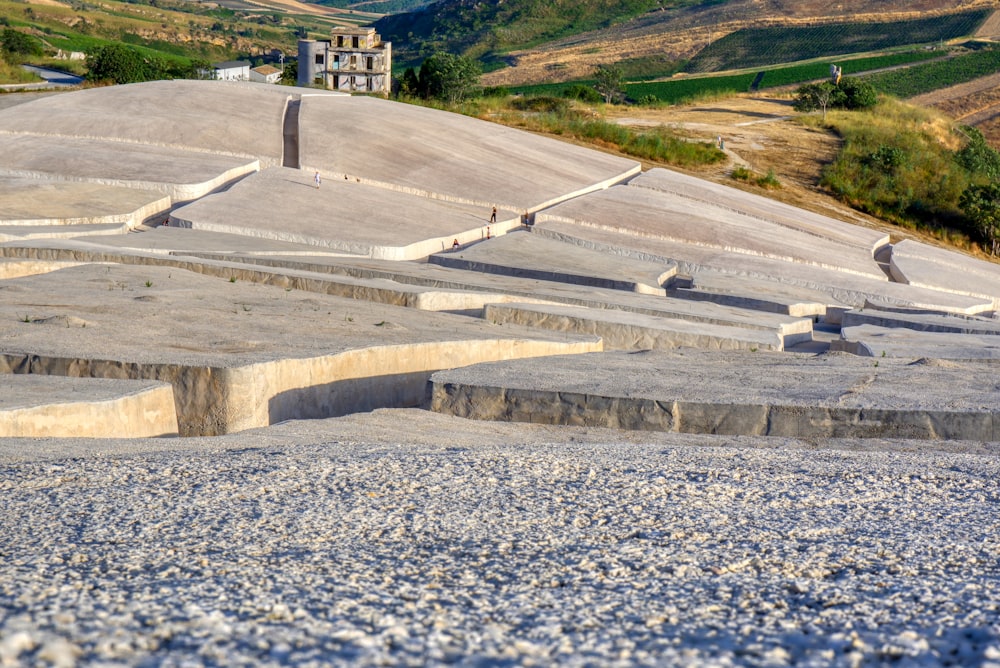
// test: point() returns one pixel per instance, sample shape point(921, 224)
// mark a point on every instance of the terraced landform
point(640, 416)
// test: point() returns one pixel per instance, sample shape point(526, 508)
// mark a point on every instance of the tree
point(609, 83)
point(981, 206)
point(444, 76)
point(822, 96)
point(409, 84)
point(858, 94)
point(978, 157)
point(122, 64)
point(290, 74)
point(848, 93)
point(17, 46)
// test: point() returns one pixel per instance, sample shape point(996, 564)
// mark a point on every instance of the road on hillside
point(52, 79)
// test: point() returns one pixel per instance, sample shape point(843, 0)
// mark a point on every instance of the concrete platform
point(225, 345)
point(181, 174)
point(238, 119)
point(762, 209)
point(928, 266)
point(922, 322)
point(283, 204)
point(652, 214)
point(529, 255)
point(621, 330)
point(50, 202)
point(843, 288)
point(448, 156)
point(33, 406)
point(758, 294)
point(879, 342)
point(772, 394)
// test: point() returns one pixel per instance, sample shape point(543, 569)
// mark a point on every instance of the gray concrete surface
point(533, 256)
point(920, 264)
point(239, 119)
point(342, 215)
point(922, 321)
point(760, 393)
point(449, 156)
point(843, 288)
point(874, 341)
point(649, 213)
point(766, 212)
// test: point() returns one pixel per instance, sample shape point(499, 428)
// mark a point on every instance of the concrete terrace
point(663, 423)
point(173, 232)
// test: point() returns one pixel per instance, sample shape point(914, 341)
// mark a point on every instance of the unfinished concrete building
point(352, 60)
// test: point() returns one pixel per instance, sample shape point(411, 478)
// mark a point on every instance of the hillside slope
point(679, 34)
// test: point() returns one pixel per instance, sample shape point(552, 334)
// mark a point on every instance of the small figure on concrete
point(317, 180)
point(493, 216)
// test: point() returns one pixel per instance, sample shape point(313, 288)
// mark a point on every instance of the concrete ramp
point(742, 393)
point(221, 117)
point(33, 406)
point(448, 156)
point(621, 330)
point(528, 255)
point(922, 321)
point(646, 213)
point(928, 266)
point(46, 203)
point(342, 215)
point(762, 209)
point(843, 288)
point(181, 174)
point(873, 341)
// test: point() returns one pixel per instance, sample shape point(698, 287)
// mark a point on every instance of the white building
point(232, 70)
point(265, 74)
point(352, 60)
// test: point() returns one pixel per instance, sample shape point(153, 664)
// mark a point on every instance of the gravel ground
point(347, 542)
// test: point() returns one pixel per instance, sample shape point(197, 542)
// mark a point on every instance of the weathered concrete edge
point(482, 402)
point(146, 413)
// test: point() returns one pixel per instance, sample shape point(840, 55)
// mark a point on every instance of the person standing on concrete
point(317, 180)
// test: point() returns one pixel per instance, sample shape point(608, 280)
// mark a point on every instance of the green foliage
point(582, 93)
point(848, 93)
point(16, 47)
point(609, 83)
point(444, 76)
point(768, 181)
point(478, 29)
point(894, 165)
point(289, 74)
point(926, 77)
point(541, 103)
point(121, 64)
point(981, 206)
point(496, 91)
point(977, 157)
point(757, 47)
point(691, 88)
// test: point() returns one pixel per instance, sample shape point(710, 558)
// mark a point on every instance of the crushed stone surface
point(342, 542)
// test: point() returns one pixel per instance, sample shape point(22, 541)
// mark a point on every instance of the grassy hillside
point(488, 29)
point(170, 29)
point(756, 47)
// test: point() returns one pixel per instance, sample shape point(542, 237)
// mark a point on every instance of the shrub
point(583, 93)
